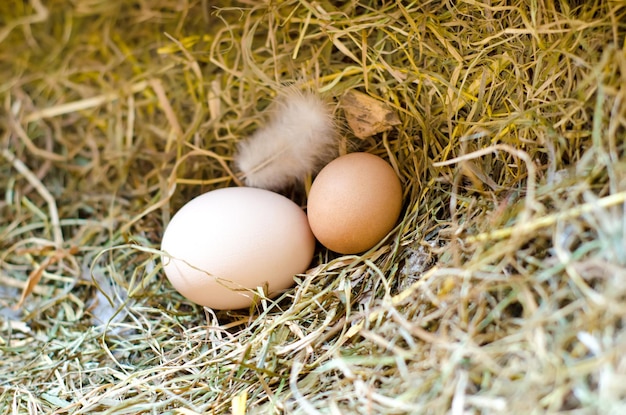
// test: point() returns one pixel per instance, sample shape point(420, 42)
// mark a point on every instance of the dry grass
point(502, 290)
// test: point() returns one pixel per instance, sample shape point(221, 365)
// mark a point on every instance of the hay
point(501, 290)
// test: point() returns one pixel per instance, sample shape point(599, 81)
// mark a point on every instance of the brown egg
point(354, 202)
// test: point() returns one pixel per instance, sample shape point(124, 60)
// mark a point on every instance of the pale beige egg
point(224, 244)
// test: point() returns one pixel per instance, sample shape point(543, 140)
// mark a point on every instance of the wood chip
point(367, 116)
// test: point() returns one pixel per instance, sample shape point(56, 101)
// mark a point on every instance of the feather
point(298, 138)
point(108, 308)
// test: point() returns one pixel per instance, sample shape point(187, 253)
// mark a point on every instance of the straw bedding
point(501, 290)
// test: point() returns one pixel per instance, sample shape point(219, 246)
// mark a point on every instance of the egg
point(354, 202)
point(222, 245)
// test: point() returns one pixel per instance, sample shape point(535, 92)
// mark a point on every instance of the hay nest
point(501, 290)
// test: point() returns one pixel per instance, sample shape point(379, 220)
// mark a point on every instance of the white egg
point(222, 245)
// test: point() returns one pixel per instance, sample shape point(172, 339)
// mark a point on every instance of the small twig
point(41, 189)
point(35, 276)
point(81, 104)
point(535, 225)
point(40, 15)
point(530, 191)
point(170, 115)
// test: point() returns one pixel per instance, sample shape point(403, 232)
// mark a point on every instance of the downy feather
point(298, 138)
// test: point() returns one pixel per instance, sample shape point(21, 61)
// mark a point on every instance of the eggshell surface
point(354, 202)
point(222, 245)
